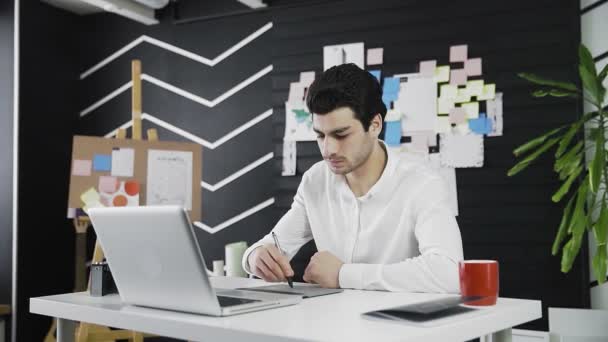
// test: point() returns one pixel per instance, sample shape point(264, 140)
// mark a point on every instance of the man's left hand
point(323, 269)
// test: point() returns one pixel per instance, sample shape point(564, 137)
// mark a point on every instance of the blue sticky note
point(387, 99)
point(391, 85)
point(481, 125)
point(376, 74)
point(102, 162)
point(392, 133)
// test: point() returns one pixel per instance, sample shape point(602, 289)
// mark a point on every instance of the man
point(380, 221)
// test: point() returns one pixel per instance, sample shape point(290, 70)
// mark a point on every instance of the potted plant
point(583, 183)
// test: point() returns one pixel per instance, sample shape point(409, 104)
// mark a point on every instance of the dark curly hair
point(347, 85)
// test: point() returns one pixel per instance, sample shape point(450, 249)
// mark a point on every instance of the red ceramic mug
point(479, 278)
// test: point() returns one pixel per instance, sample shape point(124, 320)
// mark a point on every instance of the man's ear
point(376, 125)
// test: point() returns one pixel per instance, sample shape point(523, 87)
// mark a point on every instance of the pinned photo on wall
point(289, 158)
point(306, 78)
point(298, 123)
point(296, 92)
point(494, 108)
point(344, 53)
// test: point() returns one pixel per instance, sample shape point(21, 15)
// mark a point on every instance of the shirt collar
point(383, 183)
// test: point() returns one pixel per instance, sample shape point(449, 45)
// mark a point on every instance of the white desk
point(329, 318)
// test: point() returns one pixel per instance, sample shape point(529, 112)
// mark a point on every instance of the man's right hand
point(268, 263)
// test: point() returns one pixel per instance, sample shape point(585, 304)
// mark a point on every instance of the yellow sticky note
point(488, 93)
point(462, 95)
point(472, 109)
point(475, 88)
point(442, 74)
point(90, 196)
point(448, 91)
point(444, 105)
point(442, 124)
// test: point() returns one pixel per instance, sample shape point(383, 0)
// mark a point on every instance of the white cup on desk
point(234, 255)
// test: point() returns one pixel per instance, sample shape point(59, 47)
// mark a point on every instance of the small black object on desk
point(102, 282)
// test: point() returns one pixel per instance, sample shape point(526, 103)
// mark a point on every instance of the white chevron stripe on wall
point(195, 139)
point(179, 91)
point(236, 218)
point(177, 50)
point(192, 137)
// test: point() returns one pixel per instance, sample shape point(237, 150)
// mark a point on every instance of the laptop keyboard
point(231, 301)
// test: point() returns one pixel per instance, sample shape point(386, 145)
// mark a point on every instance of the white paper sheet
point(461, 150)
point(345, 53)
point(123, 160)
point(169, 178)
point(417, 101)
point(289, 158)
point(298, 122)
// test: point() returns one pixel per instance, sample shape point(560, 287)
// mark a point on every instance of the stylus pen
point(276, 244)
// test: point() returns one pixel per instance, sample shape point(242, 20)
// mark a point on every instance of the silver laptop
point(156, 261)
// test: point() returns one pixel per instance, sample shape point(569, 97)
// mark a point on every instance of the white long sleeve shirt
point(400, 236)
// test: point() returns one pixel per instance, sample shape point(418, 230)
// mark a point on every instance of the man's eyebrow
point(335, 131)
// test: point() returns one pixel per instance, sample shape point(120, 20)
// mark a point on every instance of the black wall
point(48, 77)
point(509, 219)
point(208, 39)
point(6, 149)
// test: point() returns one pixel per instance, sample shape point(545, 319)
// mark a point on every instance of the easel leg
point(65, 330)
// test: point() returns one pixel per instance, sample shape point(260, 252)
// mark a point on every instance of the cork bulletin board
point(128, 172)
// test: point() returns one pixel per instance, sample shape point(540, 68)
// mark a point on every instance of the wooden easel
point(87, 332)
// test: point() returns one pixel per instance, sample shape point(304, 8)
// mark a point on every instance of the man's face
point(343, 142)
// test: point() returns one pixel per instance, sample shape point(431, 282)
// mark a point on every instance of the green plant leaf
point(603, 73)
point(547, 82)
point(570, 251)
point(586, 60)
point(566, 185)
point(535, 142)
point(540, 93)
point(570, 167)
point(563, 225)
point(567, 138)
point(592, 135)
point(577, 229)
point(597, 165)
point(568, 157)
point(599, 264)
point(600, 227)
point(590, 83)
point(562, 93)
point(524, 163)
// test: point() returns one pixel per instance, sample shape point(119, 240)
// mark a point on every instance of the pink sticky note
point(420, 142)
point(108, 184)
point(458, 77)
point(375, 56)
point(473, 67)
point(81, 167)
point(458, 53)
point(427, 68)
point(457, 115)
